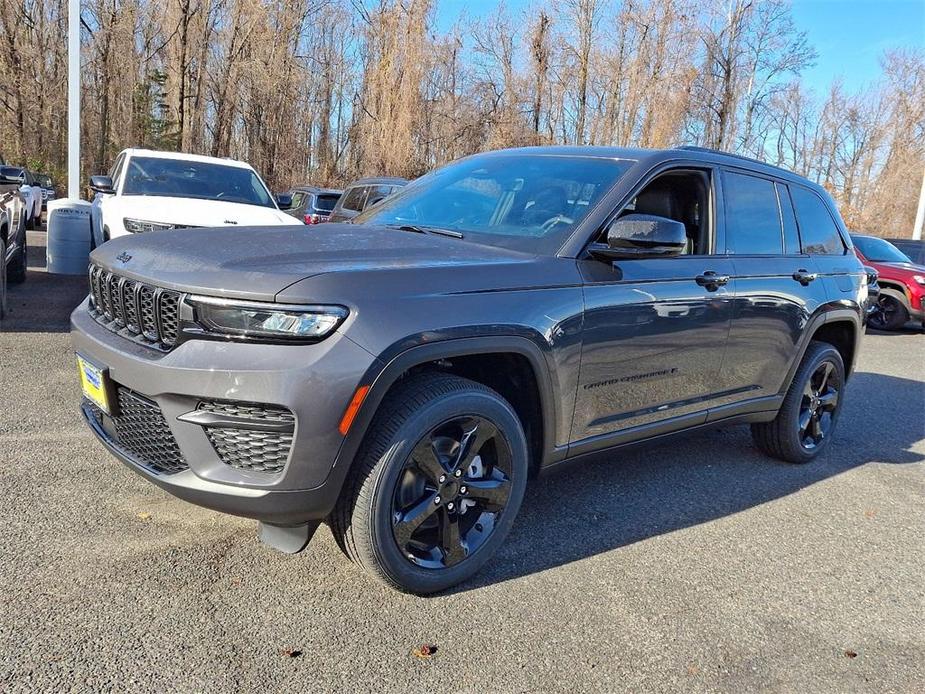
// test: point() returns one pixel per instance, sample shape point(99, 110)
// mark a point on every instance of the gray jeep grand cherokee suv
point(401, 377)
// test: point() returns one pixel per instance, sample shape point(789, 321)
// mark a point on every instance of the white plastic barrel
point(68, 243)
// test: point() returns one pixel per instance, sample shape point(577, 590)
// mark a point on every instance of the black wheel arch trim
point(897, 293)
point(824, 316)
point(389, 367)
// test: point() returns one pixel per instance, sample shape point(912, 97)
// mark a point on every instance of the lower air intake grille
point(251, 449)
point(142, 432)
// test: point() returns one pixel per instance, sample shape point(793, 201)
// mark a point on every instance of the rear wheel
point(16, 273)
point(889, 314)
point(436, 485)
point(806, 420)
point(2, 278)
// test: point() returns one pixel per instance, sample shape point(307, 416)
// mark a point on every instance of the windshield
point(194, 179)
point(13, 172)
point(879, 251)
point(516, 200)
point(44, 181)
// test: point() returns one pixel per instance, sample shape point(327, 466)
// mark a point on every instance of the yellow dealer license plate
point(95, 384)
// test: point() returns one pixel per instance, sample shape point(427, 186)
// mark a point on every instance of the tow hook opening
point(290, 539)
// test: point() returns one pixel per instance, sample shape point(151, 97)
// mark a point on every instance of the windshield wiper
point(418, 229)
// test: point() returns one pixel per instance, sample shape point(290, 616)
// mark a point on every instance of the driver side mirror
point(643, 236)
point(102, 184)
point(284, 200)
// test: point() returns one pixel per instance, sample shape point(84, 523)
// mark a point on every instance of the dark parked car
point(911, 248)
point(311, 204)
point(902, 283)
point(402, 376)
point(364, 193)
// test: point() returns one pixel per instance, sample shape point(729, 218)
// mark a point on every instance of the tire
point(792, 435)
point(16, 273)
point(430, 415)
point(890, 314)
point(2, 278)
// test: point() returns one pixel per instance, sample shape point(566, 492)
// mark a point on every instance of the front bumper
point(315, 382)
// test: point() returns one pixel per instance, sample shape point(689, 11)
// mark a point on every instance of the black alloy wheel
point(818, 406)
point(804, 425)
point(888, 314)
point(451, 492)
point(436, 485)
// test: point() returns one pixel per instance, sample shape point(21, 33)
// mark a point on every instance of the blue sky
point(848, 35)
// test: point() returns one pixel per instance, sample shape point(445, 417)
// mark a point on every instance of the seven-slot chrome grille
point(145, 312)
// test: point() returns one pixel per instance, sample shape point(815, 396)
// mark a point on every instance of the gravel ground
point(699, 565)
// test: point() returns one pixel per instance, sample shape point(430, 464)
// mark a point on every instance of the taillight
point(313, 219)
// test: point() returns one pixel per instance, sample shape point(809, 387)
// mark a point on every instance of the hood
point(259, 262)
point(194, 212)
point(899, 269)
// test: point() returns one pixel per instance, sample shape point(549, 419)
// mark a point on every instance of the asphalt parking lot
point(698, 565)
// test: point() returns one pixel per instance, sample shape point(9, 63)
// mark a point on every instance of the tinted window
point(522, 201)
point(878, 250)
point(791, 235)
point(354, 198)
point(326, 203)
point(817, 228)
point(14, 172)
point(44, 180)
point(378, 194)
point(194, 179)
point(752, 215)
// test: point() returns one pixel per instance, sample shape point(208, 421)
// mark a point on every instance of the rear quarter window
point(818, 231)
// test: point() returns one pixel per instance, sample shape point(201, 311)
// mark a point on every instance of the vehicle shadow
point(43, 303)
point(628, 496)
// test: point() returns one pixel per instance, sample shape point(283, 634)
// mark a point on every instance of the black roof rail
point(709, 150)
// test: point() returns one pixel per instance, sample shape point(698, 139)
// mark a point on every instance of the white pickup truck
point(149, 191)
point(13, 213)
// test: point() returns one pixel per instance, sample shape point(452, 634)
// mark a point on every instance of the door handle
point(711, 280)
point(804, 277)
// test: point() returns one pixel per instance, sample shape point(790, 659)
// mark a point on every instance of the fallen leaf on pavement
point(425, 650)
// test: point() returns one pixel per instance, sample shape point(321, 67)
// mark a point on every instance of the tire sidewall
point(387, 553)
point(820, 353)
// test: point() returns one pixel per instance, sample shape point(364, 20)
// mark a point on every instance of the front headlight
point(262, 320)
point(919, 278)
point(138, 226)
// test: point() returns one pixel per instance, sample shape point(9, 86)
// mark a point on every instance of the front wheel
point(436, 485)
point(806, 420)
point(889, 314)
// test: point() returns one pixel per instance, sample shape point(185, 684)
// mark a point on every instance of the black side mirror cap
point(642, 236)
point(102, 184)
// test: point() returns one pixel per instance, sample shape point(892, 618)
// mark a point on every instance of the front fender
point(395, 362)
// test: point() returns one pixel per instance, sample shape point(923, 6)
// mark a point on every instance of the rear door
point(839, 270)
point(777, 285)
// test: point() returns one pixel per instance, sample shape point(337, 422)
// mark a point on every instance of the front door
point(655, 330)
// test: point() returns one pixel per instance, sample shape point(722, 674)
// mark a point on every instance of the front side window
point(527, 202)
point(753, 220)
point(298, 197)
point(818, 232)
point(156, 176)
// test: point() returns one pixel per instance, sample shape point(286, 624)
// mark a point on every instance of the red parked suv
point(902, 283)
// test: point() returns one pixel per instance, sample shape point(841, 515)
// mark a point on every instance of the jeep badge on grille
point(123, 257)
